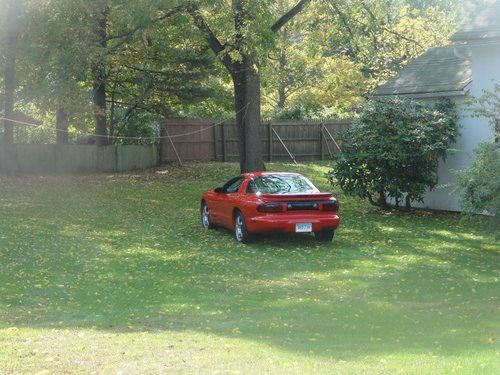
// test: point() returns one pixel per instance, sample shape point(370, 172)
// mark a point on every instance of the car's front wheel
point(241, 233)
point(206, 221)
point(325, 235)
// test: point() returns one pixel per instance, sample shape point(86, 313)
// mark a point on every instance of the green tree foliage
point(392, 150)
point(337, 51)
point(480, 184)
point(384, 35)
point(152, 63)
point(488, 105)
point(155, 58)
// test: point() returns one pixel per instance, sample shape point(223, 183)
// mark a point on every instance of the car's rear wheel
point(206, 221)
point(325, 235)
point(240, 228)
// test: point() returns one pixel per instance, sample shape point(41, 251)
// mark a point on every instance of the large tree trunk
point(9, 79)
point(247, 105)
point(62, 120)
point(100, 112)
point(99, 73)
point(246, 82)
point(112, 116)
point(281, 97)
point(382, 201)
point(408, 202)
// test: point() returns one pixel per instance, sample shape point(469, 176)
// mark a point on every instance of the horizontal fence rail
point(209, 140)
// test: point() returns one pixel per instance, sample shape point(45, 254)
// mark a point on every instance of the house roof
point(441, 71)
point(484, 27)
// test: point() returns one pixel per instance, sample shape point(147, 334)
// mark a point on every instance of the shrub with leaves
point(480, 184)
point(393, 148)
point(488, 105)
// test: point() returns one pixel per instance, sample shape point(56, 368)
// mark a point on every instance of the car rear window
point(281, 184)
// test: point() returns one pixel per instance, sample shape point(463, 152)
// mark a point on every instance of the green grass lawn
point(114, 273)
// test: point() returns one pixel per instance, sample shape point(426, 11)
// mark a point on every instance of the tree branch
point(125, 36)
point(398, 35)
point(289, 15)
point(270, 98)
point(135, 104)
point(370, 199)
point(132, 31)
point(215, 45)
point(343, 17)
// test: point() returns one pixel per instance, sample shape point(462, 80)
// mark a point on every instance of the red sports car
point(270, 201)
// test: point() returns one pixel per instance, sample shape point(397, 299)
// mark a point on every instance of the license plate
point(303, 227)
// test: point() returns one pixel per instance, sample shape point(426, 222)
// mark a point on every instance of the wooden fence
point(192, 139)
point(49, 158)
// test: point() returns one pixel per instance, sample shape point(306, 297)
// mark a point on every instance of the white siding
point(474, 130)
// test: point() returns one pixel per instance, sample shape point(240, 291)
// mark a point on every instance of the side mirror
point(218, 190)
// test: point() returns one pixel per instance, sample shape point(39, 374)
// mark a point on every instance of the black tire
point(325, 235)
point(241, 233)
point(206, 221)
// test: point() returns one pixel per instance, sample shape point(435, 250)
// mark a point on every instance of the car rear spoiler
point(296, 197)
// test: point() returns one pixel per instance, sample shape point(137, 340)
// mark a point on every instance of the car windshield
point(281, 184)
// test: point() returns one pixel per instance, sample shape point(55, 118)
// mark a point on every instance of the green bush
point(393, 148)
point(480, 184)
point(299, 111)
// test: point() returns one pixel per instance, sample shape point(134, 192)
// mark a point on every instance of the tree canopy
point(115, 67)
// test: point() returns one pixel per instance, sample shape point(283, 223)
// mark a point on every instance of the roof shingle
point(440, 70)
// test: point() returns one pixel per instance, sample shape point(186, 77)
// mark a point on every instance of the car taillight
point(270, 207)
point(333, 205)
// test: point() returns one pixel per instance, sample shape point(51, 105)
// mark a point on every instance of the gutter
point(422, 95)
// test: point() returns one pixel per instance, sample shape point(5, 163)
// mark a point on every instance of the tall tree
point(9, 76)
point(100, 65)
point(383, 35)
point(158, 76)
point(247, 44)
point(13, 11)
point(338, 50)
point(99, 73)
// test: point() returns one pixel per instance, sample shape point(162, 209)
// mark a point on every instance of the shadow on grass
point(133, 258)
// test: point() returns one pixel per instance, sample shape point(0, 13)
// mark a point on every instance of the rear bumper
point(286, 223)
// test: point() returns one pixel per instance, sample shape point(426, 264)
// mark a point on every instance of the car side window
point(233, 185)
point(250, 187)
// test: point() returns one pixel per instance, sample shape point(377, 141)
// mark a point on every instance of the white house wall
point(474, 130)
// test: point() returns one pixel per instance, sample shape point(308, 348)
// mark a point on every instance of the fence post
point(162, 147)
point(117, 158)
point(215, 142)
point(224, 151)
point(270, 141)
point(321, 146)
